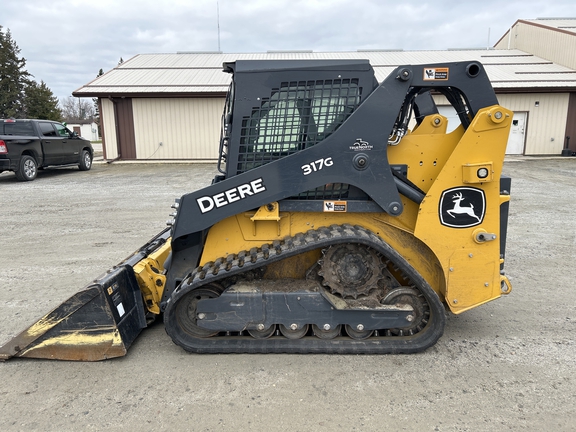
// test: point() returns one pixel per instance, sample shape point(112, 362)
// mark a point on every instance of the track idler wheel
point(413, 298)
point(186, 310)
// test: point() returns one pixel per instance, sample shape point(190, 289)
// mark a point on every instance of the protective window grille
point(297, 115)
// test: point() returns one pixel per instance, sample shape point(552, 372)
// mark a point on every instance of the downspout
point(117, 131)
point(101, 130)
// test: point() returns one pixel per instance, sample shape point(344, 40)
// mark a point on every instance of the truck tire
point(85, 161)
point(28, 169)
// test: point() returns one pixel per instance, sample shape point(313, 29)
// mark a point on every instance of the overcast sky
point(66, 42)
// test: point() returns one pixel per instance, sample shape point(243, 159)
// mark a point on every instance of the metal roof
point(200, 74)
point(566, 24)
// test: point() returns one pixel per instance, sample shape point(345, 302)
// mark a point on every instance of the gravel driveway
point(508, 365)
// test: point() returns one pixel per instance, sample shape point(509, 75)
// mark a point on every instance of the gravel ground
point(508, 365)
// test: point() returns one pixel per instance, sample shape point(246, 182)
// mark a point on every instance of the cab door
point(51, 144)
point(70, 144)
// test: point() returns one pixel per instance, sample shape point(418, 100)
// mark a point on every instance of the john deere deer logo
point(458, 209)
point(462, 207)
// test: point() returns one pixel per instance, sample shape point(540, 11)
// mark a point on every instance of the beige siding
point(545, 123)
point(178, 128)
point(109, 129)
point(553, 45)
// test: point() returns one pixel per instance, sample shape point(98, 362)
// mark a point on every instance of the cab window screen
point(297, 115)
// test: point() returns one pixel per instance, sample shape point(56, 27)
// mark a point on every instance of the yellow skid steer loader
point(345, 218)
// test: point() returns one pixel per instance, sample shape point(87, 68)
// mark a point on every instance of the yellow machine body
point(466, 277)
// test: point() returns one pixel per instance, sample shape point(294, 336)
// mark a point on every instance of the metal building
point(551, 38)
point(555, 40)
point(168, 106)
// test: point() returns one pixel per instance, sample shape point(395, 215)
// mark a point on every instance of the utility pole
point(218, 19)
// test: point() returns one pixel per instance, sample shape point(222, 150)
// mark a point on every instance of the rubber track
point(300, 243)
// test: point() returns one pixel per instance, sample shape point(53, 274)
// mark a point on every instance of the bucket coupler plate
point(99, 322)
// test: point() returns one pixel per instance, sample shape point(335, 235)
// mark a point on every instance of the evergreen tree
point(14, 79)
point(41, 103)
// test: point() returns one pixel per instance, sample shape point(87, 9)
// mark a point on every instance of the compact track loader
point(345, 219)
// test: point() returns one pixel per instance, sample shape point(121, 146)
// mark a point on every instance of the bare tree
point(77, 109)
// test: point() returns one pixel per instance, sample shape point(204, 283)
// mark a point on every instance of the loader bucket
point(99, 322)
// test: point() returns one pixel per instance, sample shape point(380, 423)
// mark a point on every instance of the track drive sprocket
point(350, 269)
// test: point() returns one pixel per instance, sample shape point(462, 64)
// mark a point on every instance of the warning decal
point(436, 74)
point(335, 206)
point(121, 310)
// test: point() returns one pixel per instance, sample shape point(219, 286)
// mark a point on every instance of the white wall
point(177, 128)
point(189, 128)
point(109, 142)
point(543, 42)
point(545, 123)
point(88, 131)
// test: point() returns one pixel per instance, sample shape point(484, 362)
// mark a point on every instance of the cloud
point(66, 42)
